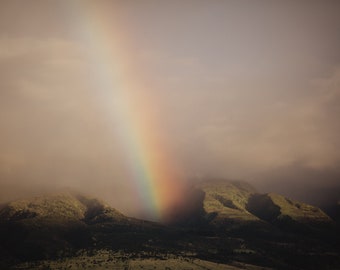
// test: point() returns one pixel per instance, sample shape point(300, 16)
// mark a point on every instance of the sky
point(109, 97)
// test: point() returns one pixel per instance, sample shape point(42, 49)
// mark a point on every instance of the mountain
point(227, 200)
point(47, 226)
point(274, 207)
point(222, 225)
point(58, 209)
point(228, 203)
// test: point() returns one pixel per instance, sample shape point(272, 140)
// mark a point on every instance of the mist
point(241, 90)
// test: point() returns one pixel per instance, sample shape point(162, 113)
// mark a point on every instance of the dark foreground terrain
point(227, 225)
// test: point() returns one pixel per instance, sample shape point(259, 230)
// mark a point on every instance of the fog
point(239, 89)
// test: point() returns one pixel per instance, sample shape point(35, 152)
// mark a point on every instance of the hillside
point(231, 226)
point(51, 225)
point(227, 200)
point(59, 208)
point(272, 207)
point(228, 203)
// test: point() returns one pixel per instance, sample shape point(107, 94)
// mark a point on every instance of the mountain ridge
point(238, 200)
point(222, 221)
point(63, 206)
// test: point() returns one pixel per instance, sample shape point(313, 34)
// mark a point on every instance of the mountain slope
point(235, 201)
point(231, 223)
point(272, 207)
point(59, 208)
point(224, 199)
point(44, 226)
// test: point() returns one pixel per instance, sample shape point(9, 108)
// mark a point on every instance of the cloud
point(53, 130)
point(238, 89)
point(232, 132)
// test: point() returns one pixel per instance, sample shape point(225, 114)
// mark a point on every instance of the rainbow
point(154, 176)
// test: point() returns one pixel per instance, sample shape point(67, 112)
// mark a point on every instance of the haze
point(243, 89)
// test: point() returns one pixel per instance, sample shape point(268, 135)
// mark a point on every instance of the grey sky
point(244, 88)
